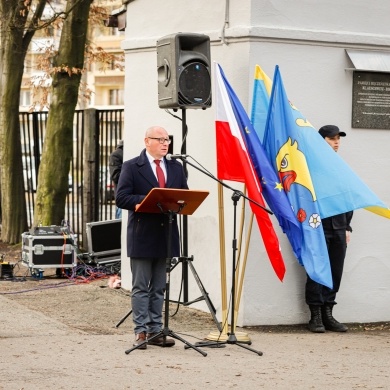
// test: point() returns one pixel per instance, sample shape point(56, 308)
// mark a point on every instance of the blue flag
point(273, 191)
point(282, 142)
point(336, 186)
point(318, 182)
point(262, 86)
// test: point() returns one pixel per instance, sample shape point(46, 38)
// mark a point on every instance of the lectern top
point(179, 201)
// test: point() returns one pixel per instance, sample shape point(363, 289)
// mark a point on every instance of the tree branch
point(33, 25)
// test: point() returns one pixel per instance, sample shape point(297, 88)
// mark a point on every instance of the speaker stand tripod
point(204, 296)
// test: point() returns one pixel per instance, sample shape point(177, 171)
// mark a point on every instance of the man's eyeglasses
point(162, 140)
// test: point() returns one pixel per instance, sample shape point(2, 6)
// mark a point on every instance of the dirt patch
point(85, 302)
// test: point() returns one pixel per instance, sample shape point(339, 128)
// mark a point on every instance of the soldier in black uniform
point(337, 229)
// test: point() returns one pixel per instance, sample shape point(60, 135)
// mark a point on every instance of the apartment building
point(104, 79)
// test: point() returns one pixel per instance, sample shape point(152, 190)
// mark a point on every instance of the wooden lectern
point(170, 201)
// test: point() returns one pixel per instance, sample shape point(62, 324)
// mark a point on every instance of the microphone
point(175, 156)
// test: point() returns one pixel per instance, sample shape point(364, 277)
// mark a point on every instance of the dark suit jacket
point(116, 161)
point(147, 233)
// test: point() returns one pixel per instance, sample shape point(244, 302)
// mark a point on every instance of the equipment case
point(104, 240)
point(48, 247)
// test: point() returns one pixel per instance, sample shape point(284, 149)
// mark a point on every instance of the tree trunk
point(14, 214)
point(12, 54)
point(58, 146)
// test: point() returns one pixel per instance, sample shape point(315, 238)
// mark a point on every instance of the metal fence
point(105, 128)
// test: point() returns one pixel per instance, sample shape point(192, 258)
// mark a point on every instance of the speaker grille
point(194, 85)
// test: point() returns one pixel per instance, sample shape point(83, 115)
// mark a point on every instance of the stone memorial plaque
point(371, 100)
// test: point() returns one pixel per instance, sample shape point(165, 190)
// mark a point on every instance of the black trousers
point(317, 294)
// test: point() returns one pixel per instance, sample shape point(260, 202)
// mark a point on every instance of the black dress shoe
point(159, 341)
point(139, 339)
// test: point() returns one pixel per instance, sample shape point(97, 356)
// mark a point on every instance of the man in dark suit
point(116, 161)
point(147, 233)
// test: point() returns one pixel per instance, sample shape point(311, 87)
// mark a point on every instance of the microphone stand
point(232, 339)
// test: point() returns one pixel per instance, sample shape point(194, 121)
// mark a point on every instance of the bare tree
point(19, 20)
point(16, 32)
point(58, 146)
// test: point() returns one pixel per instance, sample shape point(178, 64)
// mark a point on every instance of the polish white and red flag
point(234, 163)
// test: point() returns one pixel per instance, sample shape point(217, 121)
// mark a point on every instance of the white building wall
point(308, 41)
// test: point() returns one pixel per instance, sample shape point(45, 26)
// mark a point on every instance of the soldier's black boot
point(330, 322)
point(315, 323)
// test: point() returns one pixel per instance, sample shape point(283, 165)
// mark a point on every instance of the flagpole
point(222, 259)
point(241, 283)
point(223, 335)
point(232, 339)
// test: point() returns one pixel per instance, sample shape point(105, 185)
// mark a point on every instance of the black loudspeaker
point(183, 70)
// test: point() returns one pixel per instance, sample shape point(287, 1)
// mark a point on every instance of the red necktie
point(160, 174)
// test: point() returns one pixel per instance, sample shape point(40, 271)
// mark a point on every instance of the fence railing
point(95, 136)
